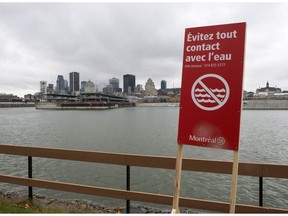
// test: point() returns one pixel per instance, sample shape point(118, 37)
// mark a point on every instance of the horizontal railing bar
point(137, 196)
point(77, 155)
point(222, 167)
point(69, 187)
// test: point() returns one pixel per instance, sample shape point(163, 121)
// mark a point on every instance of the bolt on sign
point(211, 94)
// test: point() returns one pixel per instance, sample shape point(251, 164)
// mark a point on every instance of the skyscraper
point(74, 83)
point(114, 82)
point(83, 85)
point(60, 85)
point(163, 85)
point(50, 88)
point(43, 88)
point(128, 83)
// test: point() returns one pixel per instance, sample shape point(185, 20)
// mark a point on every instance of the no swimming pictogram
point(210, 92)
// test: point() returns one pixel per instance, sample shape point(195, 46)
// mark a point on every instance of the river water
point(141, 130)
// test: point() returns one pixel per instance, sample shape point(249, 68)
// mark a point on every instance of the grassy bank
point(11, 202)
point(24, 207)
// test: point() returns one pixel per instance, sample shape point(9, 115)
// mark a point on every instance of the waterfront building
point(43, 88)
point(108, 90)
point(82, 85)
point(74, 84)
point(129, 83)
point(30, 98)
point(163, 85)
point(248, 94)
point(8, 97)
point(60, 85)
point(114, 82)
point(265, 91)
point(139, 89)
point(50, 88)
point(89, 87)
point(66, 86)
point(150, 88)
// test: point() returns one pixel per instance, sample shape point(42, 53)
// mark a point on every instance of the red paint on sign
point(211, 93)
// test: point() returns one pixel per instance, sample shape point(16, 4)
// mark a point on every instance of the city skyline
point(114, 82)
point(42, 40)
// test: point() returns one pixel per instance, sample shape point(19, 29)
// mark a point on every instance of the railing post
point(260, 190)
point(30, 190)
point(127, 188)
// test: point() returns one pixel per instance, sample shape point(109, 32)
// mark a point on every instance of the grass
point(24, 207)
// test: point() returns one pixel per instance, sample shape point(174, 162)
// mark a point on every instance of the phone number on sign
point(215, 65)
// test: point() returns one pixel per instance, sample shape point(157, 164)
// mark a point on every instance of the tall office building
point(43, 88)
point(60, 85)
point(74, 83)
point(50, 89)
point(114, 82)
point(82, 85)
point(66, 86)
point(128, 83)
point(163, 85)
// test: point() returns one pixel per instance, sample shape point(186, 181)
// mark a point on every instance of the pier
point(84, 101)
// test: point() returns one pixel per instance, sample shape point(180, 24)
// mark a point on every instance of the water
point(141, 130)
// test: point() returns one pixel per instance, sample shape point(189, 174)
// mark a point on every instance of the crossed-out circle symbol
point(216, 97)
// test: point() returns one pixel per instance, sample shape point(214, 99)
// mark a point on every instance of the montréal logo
point(215, 140)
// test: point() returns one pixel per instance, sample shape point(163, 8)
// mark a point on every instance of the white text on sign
point(210, 56)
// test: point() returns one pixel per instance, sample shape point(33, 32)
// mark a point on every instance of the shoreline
point(247, 105)
point(16, 105)
point(83, 206)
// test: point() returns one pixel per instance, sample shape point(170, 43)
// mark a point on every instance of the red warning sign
point(211, 92)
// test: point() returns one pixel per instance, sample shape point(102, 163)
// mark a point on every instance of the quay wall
point(15, 104)
point(43, 105)
point(252, 104)
point(81, 106)
point(265, 104)
point(256, 104)
point(56, 106)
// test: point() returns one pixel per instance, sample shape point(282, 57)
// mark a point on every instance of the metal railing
point(221, 167)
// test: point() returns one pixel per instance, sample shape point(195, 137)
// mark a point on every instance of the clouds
point(105, 40)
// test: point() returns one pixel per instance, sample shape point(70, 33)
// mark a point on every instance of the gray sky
point(105, 40)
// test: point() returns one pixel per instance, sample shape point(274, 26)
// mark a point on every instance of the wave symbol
point(200, 90)
point(205, 97)
point(206, 101)
point(218, 90)
point(220, 96)
point(202, 95)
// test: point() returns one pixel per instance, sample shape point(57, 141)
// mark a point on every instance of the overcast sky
point(103, 40)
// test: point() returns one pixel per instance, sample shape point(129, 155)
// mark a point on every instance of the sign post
point(175, 208)
point(211, 93)
point(234, 182)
